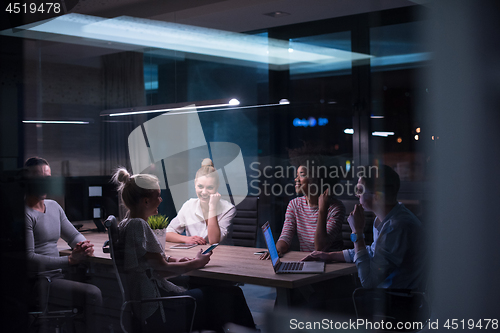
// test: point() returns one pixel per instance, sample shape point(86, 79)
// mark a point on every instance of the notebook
point(289, 266)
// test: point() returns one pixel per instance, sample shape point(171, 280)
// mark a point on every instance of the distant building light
point(416, 137)
point(322, 121)
point(399, 140)
point(432, 137)
point(417, 130)
point(309, 122)
point(376, 117)
point(349, 131)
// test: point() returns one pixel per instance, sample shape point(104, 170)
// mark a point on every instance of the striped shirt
point(302, 219)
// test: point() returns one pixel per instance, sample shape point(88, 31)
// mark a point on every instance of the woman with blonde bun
point(206, 219)
point(147, 268)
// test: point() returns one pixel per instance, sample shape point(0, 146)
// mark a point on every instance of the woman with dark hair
point(316, 216)
point(147, 268)
point(206, 219)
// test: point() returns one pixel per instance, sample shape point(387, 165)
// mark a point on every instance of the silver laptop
point(289, 266)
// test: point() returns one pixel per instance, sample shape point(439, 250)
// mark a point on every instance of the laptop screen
point(268, 235)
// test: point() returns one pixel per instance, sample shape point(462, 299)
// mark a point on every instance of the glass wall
point(348, 86)
point(94, 90)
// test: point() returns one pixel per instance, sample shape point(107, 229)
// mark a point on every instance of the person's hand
point(267, 256)
point(324, 200)
point(81, 251)
point(316, 256)
point(202, 259)
point(182, 259)
point(214, 199)
point(356, 219)
point(87, 247)
point(195, 240)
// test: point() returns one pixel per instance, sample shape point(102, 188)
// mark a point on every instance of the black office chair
point(113, 247)
point(393, 306)
point(245, 223)
point(41, 317)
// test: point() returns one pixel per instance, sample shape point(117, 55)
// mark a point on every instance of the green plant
point(158, 221)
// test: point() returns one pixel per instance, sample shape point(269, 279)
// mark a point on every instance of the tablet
point(183, 246)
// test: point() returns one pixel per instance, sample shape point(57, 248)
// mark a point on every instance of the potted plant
point(158, 223)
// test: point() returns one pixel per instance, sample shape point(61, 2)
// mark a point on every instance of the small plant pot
point(161, 235)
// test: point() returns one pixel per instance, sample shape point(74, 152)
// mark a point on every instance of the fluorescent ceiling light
point(384, 134)
point(166, 110)
point(184, 109)
point(349, 131)
point(147, 33)
point(400, 59)
point(376, 117)
point(55, 122)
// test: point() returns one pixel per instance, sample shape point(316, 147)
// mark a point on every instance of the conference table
point(236, 264)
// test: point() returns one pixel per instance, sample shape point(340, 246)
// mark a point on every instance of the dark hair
point(314, 157)
point(384, 180)
point(35, 161)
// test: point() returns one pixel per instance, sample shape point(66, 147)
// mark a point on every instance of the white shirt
point(190, 219)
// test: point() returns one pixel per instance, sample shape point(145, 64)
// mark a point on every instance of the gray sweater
point(43, 230)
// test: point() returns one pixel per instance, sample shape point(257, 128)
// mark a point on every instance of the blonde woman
point(206, 219)
point(147, 268)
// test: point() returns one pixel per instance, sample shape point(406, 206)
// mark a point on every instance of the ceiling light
point(376, 117)
point(277, 14)
point(75, 122)
point(349, 131)
point(284, 101)
point(130, 32)
point(384, 134)
point(234, 101)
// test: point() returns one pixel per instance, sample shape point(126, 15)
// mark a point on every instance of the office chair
point(246, 222)
point(112, 246)
point(394, 306)
point(40, 315)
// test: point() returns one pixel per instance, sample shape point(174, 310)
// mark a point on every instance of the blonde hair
point(134, 188)
point(207, 169)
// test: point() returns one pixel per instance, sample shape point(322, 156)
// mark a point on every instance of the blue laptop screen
point(270, 245)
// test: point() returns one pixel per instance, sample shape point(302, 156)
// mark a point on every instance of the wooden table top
point(233, 263)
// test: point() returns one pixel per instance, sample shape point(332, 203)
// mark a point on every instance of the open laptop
point(289, 266)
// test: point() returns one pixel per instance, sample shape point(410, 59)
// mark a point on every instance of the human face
point(365, 196)
point(40, 171)
point(153, 202)
point(302, 182)
point(204, 187)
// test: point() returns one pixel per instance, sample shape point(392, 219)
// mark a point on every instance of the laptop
point(289, 266)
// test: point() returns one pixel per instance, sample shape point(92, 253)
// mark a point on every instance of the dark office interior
point(418, 91)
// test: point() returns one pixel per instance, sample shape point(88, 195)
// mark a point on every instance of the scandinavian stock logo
point(172, 146)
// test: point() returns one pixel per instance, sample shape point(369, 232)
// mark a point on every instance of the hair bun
point(123, 176)
point(207, 162)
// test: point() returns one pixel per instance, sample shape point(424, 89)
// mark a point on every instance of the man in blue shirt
point(395, 258)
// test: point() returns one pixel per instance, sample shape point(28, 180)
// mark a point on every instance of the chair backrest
point(246, 222)
point(116, 253)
